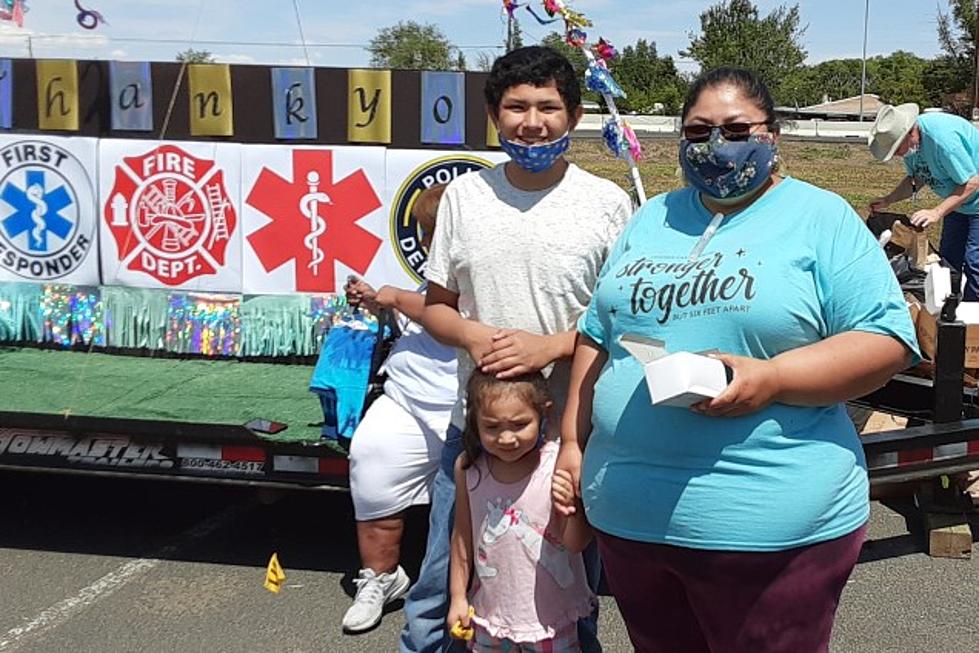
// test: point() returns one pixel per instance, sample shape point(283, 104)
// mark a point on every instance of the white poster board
point(312, 216)
point(170, 214)
point(409, 172)
point(48, 210)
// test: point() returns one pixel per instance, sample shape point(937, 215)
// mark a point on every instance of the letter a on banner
point(443, 108)
point(369, 106)
point(294, 103)
point(131, 95)
point(6, 94)
point(57, 95)
point(210, 100)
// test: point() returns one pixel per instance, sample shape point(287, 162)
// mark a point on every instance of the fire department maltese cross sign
point(170, 215)
point(314, 220)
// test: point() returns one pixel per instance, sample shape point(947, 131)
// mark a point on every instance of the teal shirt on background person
point(795, 267)
point(947, 157)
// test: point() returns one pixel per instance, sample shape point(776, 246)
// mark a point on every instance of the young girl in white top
point(529, 587)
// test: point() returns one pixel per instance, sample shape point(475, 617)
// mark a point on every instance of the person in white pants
point(395, 451)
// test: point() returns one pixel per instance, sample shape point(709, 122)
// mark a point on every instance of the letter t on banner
point(131, 95)
point(443, 108)
point(6, 94)
point(369, 106)
point(294, 103)
point(57, 94)
point(210, 100)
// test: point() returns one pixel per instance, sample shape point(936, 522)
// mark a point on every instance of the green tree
point(898, 78)
point(190, 55)
point(647, 79)
point(955, 73)
point(412, 46)
point(734, 34)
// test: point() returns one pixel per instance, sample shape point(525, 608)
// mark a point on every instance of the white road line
point(101, 589)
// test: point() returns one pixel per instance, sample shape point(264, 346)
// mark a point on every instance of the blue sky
point(238, 31)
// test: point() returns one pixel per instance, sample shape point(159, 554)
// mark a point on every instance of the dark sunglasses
point(733, 131)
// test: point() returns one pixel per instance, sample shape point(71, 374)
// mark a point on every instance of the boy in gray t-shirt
point(516, 254)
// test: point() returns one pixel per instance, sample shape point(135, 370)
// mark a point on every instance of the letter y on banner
point(369, 106)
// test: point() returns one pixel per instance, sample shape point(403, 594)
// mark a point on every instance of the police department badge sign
point(427, 169)
point(168, 218)
point(48, 228)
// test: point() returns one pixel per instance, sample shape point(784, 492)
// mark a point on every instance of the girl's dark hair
point(537, 65)
point(746, 81)
point(484, 388)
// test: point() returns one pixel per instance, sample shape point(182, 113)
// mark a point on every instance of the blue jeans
point(427, 603)
point(960, 247)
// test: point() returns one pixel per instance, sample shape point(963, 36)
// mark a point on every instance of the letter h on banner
point(443, 109)
point(294, 103)
point(57, 94)
point(131, 95)
point(6, 94)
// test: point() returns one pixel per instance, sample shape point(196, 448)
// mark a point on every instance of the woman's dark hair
point(483, 389)
point(537, 65)
point(750, 85)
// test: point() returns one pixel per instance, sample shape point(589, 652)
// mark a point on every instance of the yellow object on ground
point(274, 576)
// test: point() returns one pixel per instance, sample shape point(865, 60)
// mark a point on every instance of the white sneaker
point(374, 591)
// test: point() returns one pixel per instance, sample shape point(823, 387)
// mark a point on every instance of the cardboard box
point(680, 379)
point(926, 326)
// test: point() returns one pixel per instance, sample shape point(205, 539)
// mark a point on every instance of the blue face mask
point(538, 157)
point(727, 169)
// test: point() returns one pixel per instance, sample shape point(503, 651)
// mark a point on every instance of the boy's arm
point(460, 553)
point(442, 320)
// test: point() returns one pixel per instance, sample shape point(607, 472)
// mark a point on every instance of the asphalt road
point(107, 565)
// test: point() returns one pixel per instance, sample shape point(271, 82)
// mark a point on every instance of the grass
point(846, 169)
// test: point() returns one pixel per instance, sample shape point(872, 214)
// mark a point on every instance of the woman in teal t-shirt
point(733, 525)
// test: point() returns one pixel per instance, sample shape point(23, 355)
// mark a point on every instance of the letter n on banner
point(369, 106)
point(210, 100)
point(131, 95)
point(6, 94)
point(57, 94)
point(443, 108)
point(294, 103)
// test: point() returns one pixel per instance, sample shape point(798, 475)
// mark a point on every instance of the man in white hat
point(941, 151)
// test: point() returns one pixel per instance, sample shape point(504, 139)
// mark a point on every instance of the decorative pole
point(618, 135)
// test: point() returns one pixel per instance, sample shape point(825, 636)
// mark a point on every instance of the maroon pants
point(680, 600)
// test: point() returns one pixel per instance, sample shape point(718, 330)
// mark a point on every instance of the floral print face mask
point(727, 169)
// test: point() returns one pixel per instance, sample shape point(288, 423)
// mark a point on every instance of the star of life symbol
point(170, 215)
point(297, 230)
point(44, 234)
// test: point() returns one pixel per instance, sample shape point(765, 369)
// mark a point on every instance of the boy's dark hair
point(537, 65)
point(746, 81)
point(483, 388)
